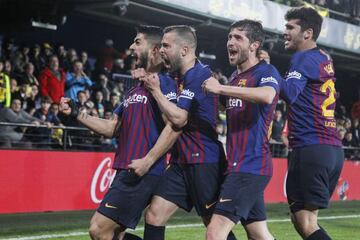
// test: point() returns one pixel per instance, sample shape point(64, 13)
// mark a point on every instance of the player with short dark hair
point(251, 99)
point(137, 126)
point(309, 89)
point(195, 172)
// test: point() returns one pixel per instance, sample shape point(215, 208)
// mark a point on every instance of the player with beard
point(137, 125)
point(252, 95)
point(309, 89)
point(195, 173)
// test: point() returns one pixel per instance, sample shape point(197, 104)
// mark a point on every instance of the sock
point(318, 235)
point(154, 232)
point(129, 236)
point(231, 236)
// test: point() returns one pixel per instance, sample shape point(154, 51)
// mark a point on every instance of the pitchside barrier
point(51, 179)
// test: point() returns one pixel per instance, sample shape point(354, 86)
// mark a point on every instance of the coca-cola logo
point(101, 180)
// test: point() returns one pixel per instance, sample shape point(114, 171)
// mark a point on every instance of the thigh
point(127, 197)
point(312, 176)
point(159, 211)
point(241, 197)
point(172, 187)
point(203, 183)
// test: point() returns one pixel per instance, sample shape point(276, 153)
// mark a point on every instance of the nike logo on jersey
point(225, 200)
point(207, 206)
point(109, 206)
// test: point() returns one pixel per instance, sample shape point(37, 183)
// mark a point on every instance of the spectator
point(71, 56)
point(277, 126)
point(34, 101)
point(107, 55)
point(76, 80)
point(42, 135)
point(99, 104)
point(86, 64)
point(114, 102)
point(8, 70)
point(61, 53)
point(11, 134)
point(21, 58)
point(118, 67)
point(5, 91)
point(355, 131)
point(23, 93)
point(36, 59)
point(102, 85)
point(52, 80)
point(13, 87)
point(28, 76)
point(47, 51)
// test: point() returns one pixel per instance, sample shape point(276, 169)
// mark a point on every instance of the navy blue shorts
point(127, 197)
point(192, 185)
point(242, 198)
point(313, 173)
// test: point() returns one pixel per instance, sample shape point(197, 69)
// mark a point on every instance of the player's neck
point(188, 63)
point(154, 68)
point(307, 46)
point(252, 61)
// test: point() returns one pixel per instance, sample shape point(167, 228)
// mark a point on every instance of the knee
point(153, 217)
point(305, 227)
point(98, 233)
point(94, 231)
point(213, 233)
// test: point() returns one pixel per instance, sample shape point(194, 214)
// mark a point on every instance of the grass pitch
point(342, 221)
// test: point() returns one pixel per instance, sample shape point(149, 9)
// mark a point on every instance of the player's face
point(140, 50)
point(293, 35)
point(170, 52)
point(238, 46)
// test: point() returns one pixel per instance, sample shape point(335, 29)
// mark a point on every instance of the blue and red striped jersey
point(199, 141)
point(309, 90)
point(248, 123)
point(141, 124)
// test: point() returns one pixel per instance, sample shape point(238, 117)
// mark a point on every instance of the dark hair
point(254, 30)
point(46, 99)
point(78, 93)
point(308, 18)
point(152, 33)
point(185, 32)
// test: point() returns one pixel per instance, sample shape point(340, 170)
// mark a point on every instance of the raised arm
point(262, 94)
point(104, 127)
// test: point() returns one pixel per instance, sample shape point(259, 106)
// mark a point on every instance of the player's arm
point(104, 127)
point(291, 88)
point(163, 144)
point(263, 94)
point(177, 116)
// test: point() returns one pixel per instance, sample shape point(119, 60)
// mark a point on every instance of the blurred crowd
point(344, 10)
point(34, 78)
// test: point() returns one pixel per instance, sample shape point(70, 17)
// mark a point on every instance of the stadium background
point(76, 179)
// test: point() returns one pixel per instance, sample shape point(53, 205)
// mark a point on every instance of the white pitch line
point(74, 234)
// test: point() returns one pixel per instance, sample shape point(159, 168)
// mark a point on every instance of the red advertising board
point(38, 181)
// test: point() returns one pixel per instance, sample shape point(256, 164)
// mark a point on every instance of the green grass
point(16, 225)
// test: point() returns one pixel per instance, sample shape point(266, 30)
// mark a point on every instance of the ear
point(184, 51)
point(308, 33)
point(255, 45)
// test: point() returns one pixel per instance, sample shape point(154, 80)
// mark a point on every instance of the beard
point(243, 57)
point(142, 61)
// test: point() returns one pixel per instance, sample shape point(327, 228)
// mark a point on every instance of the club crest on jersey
point(135, 98)
point(242, 82)
point(329, 69)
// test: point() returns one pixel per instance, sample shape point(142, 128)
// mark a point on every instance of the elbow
point(268, 99)
point(179, 122)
